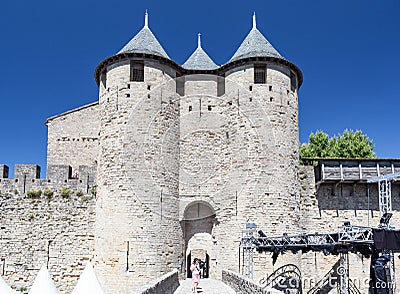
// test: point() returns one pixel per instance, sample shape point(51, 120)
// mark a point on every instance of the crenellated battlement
point(27, 178)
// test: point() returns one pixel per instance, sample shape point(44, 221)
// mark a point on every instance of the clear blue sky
point(348, 52)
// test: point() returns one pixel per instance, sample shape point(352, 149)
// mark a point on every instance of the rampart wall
point(46, 221)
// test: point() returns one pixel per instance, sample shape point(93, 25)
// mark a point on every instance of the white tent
point(88, 282)
point(4, 288)
point(43, 283)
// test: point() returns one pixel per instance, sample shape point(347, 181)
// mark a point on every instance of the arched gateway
point(198, 221)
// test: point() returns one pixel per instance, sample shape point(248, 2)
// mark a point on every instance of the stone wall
point(166, 284)
point(73, 137)
point(27, 178)
point(243, 285)
point(57, 231)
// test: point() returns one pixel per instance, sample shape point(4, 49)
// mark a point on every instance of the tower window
point(209, 108)
point(137, 71)
point(190, 107)
point(260, 73)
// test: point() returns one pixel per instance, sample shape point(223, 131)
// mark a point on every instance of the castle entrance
point(197, 226)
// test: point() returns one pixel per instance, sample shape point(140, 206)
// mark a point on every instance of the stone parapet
point(243, 285)
point(166, 284)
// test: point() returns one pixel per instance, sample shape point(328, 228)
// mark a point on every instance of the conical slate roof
point(255, 45)
point(144, 42)
point(199, 60)
point(43, 283)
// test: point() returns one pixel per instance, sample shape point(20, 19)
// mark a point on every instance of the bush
point(31, 216)
point(15, 192)
point(86, 198)
point(94, 191)
point(79, 193)
point(34, 193)
point(65, 192)
point(48, 193)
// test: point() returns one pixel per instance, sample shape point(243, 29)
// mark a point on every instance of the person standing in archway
point(195, 269)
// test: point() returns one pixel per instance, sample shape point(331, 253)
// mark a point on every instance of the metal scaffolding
point(385, 213)
point(248, 247)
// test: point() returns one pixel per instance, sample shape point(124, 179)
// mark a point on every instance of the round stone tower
point(137, 234)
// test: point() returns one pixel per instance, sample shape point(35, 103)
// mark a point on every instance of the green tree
point(350, 144)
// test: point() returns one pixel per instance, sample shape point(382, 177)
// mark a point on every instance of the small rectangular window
point(260, 73)
point(137, 71)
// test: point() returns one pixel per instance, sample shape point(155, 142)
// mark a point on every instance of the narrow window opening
point(129, 86)
point(251, 99)
point(209, 108)
point(251, 88)
point(148, 95)
point(271, 99)
point(128, 95)
point(230, 103)
point(148, 87)
point(270, 88)
point(190, 107)
point(137, 71)
point(260, 73)
point(227, 135)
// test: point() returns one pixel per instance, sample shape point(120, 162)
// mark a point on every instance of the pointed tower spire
point(255, 45)
point(199, 59)
point(254, 21)
point(144, 42)
point(146, 19)
point(198, 40)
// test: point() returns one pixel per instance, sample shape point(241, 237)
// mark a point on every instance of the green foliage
point(31, 216)
point(65, 192)
point(48, 193)
point(79, 193)
point(15, 192)
point(86, 198)
point(34, 193)
point(94, 191)
point(350, 144)
point(22, 289)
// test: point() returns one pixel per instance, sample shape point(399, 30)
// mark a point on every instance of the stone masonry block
point(3, 171)
point(30, 171)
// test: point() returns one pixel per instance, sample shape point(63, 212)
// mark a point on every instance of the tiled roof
point(199, 60)
point(144, 42)
point(255, 45)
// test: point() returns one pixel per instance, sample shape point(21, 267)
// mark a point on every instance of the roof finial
point(146, 19)
point(198, 40)
point(254, 21)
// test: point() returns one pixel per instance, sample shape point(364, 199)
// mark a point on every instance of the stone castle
point(171, 163)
